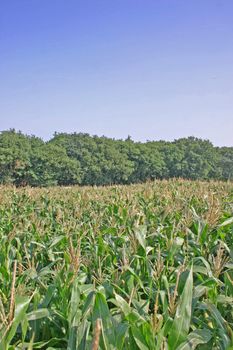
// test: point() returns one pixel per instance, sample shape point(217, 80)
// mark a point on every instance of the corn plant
point(146, 267)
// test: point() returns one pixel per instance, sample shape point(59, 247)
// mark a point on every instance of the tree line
point(78, 158)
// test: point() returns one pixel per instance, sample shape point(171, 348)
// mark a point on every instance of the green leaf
point(21, 305)
point(181, 323)
point(163, 333)
point(74, 316)
point(37, 314)
point(55, 241)
point(195, 338)
point(222, 330)
point(100, 309)
point(121, 332)
point(83, 334)
point(74, 302)
point(139, 338)
point(226, 222)
point(140, 235)
point(122, 304)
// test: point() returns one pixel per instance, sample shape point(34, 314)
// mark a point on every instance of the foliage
point(145, 267)
point(69, 159)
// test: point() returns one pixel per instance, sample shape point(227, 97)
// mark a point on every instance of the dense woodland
point(69, 159)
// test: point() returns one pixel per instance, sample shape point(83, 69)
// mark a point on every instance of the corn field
point(146, 267)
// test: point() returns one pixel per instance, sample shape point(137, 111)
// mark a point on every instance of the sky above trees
point(150, 69)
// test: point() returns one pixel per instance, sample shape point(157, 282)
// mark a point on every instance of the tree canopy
point(78, 158)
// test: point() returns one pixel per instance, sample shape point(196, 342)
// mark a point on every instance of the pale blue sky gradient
point(152, 69)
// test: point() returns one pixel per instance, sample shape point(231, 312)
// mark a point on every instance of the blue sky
point(152, 69)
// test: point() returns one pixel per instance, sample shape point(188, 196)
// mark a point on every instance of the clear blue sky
point(152, 69)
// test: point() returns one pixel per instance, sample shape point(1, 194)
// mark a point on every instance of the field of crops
point(145, 267)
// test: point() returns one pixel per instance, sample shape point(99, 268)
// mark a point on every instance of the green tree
point(148, 161)
point(15, 153)
point(226, 162)
point(199, 158)
point(79, 158)
point(51, 166)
